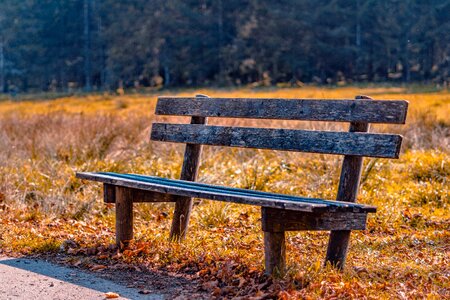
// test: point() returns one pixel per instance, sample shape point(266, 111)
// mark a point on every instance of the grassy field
point(404, 253)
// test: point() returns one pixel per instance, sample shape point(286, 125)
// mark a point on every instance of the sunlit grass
point(404, 253)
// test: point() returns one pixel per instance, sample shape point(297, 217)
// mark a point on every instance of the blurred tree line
point(64, 45)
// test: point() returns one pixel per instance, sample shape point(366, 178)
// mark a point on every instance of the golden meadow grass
point(404, 253)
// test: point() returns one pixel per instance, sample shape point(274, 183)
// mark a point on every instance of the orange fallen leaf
point(283, 295)
point(203, 272)
point(111, 295)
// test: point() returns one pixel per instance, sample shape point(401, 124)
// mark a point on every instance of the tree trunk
point(2, 68)
point(220, 41)
point(87, 46)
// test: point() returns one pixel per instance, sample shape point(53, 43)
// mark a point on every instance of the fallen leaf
point(111, 295)
point(117, 256)
point(360, 270)
point(98, 267)
point(241, 282)
point(283, 295)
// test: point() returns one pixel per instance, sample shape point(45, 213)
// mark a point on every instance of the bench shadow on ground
point(128, 284)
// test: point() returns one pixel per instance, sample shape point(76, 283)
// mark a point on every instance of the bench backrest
point(354, 143)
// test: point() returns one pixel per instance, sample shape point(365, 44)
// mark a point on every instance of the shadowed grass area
point(404, 253)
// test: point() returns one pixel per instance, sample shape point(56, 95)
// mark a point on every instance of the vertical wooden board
point(274, 253)
point(274, 246)
point(109, 193)
point(189, 170)
point(347, 191)
point(124, 217)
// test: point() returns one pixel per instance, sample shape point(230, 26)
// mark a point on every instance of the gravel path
point(23, 278)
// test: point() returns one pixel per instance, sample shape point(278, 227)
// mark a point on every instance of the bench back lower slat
point(328, 142)
point(369, 111)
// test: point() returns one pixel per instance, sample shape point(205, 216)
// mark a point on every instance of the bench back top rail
point(335, 110)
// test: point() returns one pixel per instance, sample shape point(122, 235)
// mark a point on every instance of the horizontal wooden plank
point(329, 142)
point(371, 111)
point(137, 195)
point(278, 220)
point(220, 193)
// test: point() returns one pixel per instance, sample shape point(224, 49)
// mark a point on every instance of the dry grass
point(404, 253)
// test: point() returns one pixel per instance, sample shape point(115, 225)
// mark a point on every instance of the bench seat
point(221, 193)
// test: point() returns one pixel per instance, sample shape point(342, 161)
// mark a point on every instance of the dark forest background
point(95, 45)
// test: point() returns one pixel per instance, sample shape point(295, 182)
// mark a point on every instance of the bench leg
point(337, 248)
point(180, 222)
point(347, 191)
point(274, 253)
point(124, 216)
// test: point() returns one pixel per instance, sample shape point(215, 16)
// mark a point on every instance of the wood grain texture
point(274, 253)
point(124, 217)
point(189, 170)
point(347, 191)
point(137, 195)
point(348, 143)
point(109, 193)
point(221, 193)
point(278, 220)
point(380, 111)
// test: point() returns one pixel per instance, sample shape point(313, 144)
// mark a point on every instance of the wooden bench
point(280, 212)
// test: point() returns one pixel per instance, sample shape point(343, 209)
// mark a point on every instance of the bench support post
point(274, 253)
point(124, 217)
point(347, 191)
point(274, 243)
point(183, 205)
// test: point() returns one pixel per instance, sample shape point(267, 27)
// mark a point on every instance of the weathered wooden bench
point(280, 212)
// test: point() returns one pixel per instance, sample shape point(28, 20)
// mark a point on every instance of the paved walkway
point(22, 278)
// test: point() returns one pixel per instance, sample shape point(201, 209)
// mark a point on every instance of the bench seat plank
point(328, 142)
point(221, 193)
point(371, 111)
